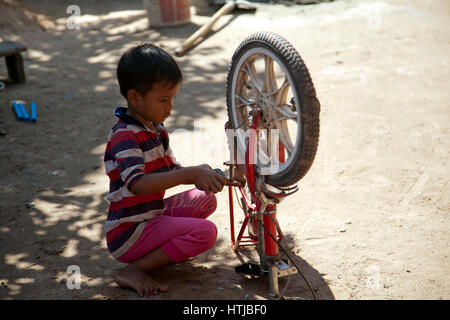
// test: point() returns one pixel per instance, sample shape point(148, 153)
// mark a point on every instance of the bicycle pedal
point(249, 268)
point(283, 268)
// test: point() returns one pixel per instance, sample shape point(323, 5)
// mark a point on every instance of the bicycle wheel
point(266, 73)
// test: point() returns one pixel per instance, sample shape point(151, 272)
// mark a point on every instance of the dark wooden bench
point(14, 62)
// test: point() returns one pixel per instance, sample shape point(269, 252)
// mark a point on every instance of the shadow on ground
point(52, 206)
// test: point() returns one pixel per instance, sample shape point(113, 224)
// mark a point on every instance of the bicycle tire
point(307, 104)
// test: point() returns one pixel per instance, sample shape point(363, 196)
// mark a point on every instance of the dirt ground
point(371, 218)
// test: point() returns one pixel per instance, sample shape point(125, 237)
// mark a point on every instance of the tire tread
point(309, 104)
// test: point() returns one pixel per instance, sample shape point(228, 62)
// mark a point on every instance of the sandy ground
point(371, 219)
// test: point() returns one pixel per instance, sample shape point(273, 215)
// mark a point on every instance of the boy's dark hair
point(142, 66)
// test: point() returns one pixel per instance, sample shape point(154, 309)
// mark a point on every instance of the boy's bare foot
point(140, 281)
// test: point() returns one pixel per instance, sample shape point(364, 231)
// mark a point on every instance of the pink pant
point(182, 232)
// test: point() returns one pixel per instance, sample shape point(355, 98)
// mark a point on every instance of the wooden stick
point(189, 42)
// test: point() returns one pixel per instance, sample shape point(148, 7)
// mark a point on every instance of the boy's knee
point(212, 200)
point(207, 203)
point(209, 234)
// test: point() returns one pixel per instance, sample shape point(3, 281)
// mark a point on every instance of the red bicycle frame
point(253, 206)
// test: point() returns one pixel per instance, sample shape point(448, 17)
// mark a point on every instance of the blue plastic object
point(18, 111)
point(33, 112)
point(25, 115)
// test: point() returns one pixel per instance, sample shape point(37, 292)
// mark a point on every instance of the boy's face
point(154, 106)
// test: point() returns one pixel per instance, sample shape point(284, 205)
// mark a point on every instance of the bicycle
point(273, 134)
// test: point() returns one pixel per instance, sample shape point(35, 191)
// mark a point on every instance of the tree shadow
point(52, 206)
point(53, 186)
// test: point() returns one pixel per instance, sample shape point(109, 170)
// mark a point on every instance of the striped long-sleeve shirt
point(133, 150)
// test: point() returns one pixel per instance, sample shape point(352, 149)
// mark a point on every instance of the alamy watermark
point(74, 280)
point(373, 280)
point(262, 147)
point(74, 12)
point(374, 18)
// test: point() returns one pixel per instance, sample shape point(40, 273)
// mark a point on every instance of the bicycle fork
point(267, 240)
point(265, 212)
point(270, 258)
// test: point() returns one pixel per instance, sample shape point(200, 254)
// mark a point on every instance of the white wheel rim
point(251, 56)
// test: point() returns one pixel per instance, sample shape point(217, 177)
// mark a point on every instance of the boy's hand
point(207, 179)
point(239, 176)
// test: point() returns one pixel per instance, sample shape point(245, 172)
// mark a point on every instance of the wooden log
point(189, 42)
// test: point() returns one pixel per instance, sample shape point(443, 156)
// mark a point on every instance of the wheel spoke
point(283, 119)
point(270, 83)
point(287, 144)
point(285, 137)
point(245, 120)
point(285, 112)
point(245, 101)
point(251, 71)
point(281, 93)
point(263, 83)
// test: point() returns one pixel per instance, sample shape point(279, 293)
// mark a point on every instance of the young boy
point(142, 228)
